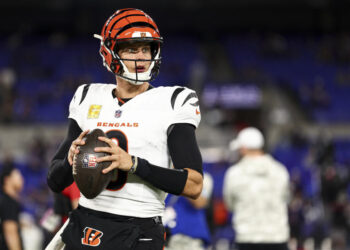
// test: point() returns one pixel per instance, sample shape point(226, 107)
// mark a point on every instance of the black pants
point(267, 246)
point(90, 229)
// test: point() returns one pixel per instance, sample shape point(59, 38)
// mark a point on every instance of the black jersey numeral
point(122, 141)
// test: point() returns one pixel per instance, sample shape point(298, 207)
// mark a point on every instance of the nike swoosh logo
point(197, 112)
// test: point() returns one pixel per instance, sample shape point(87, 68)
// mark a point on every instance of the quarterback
point(151, 138)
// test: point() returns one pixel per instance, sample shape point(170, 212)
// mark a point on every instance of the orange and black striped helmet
point(130, 25)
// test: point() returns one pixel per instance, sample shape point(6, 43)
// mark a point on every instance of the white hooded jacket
point(256, 190)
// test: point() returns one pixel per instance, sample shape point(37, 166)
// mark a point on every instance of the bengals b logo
point(92, 237)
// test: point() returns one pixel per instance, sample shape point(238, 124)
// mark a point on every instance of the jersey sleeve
point(77, 99)
point(185, 107)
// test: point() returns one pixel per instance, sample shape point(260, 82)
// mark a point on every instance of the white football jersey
point(140, 127)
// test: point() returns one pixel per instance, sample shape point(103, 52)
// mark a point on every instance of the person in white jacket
point(256, 190)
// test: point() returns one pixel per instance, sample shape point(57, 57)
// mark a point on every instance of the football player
point(149, 129)
point(11, 185)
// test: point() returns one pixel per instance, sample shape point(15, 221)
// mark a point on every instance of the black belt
point(120, 218)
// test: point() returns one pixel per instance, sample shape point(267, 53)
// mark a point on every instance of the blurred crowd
point(39, 72)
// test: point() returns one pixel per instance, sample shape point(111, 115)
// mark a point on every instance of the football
point(87, 172)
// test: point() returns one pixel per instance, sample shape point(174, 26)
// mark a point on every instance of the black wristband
point(172, 181)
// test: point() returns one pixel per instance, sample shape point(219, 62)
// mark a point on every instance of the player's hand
point(74, 147)
point(119, 158)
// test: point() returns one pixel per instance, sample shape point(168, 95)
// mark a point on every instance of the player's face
point(136, 51)
point(17, 179)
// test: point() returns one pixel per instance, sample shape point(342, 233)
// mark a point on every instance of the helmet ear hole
point(113, 67)
point(108, 43)
point(116, 67)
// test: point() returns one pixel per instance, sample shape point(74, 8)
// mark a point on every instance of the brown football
point(87, 173)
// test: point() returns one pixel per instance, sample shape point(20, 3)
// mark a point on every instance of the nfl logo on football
point(118, 113)
point(89, 161)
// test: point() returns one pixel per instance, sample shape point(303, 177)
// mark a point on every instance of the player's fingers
point(108, 141)
point(79, 141)
point(82, 134)
point(105, 149)
point(110, 167)
point(70, 160)
point(106, 158)
point(71, 154)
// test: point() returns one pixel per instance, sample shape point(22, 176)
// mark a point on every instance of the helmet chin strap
point(136, 78)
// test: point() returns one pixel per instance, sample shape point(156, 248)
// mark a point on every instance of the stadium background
point(283, 66)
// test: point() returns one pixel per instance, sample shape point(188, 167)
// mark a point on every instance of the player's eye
point(132, 50)
point(146, 49)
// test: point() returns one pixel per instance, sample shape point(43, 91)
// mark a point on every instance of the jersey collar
point(121, 101)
